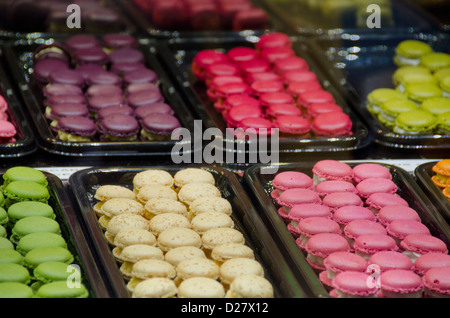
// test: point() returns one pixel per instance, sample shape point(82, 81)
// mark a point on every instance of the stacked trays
point(179, 57)
point(360, 63)
point(20, 56)
point(85, 183)
point(72, 231)
point(260, 188)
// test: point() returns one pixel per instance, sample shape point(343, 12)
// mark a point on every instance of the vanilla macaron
point(152, 176)
point(218, 236)
point(179, 254)
point(210, 204)
point(178, 236)
point(191, 191)
point(149, 268)
point(196, 267)
point(155, 206)
point(109, 191)
point(157, 287)
point(155, 191)
point(189, 175)
point(136, 252)
point(210, 220)
point(201, 287)
point(131, 236)
point(118, 206)
point(250, 286)
point(166, 221)
point(227, 251)
point(236, 267)
point(124, 221)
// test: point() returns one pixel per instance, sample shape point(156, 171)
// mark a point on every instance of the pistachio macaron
point(436, 106)
point(23, 173)
point(18, 191)
point(443, 123)
point(419, 92)
point(435, 61)
point(390, 109)
point(39, 239)
point(51, 271)
point(60, 289)
point(8, 255)
point(13, 272)
point(20, 210)
point(379, 95)
point(409, 52)
point(405, 71)
point(15, 290)
point(415, 122)
point(33, 224)
point(46, 254)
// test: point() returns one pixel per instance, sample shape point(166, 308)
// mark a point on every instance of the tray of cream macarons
point(398, 82)
point(98, 95)
point(255, 87)
point(353, 229)
point(43, 251)
point(16, 135)
point(177, 232)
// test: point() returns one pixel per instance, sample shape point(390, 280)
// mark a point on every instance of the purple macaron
point(43, 68)
point(95, 103)
point(61, 89)
point(159, 125)
point(116, 127)
point(119, 40)
point(79, 126)
point(82, 41)
point(103, 89)
point(104, 78)
point(144, 98)
point(126, 55)
point(67, 76)
point(143, 111)
point(114, 109)
point(94, 55)
point(140, 75)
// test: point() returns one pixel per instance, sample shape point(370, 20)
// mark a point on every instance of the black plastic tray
point(260, 185)
point(179, 56)
point(85, 182)
point(73, 233)
point(145, 23)
point(25, 142)
point(19, 55)
point(423, 175)
point(310, 21)
point(360, 63)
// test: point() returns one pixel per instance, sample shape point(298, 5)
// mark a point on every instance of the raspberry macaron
point(368, 244)
point(288, 180)
point(319, 96)
point(273, 39)
point(273, 111)
point(437, 282)
point(358, 227)
point(339, 262)
point(316, 109)
point(292, 125)
point(387, 260)
point(296, 196)
point(204, 58)
point(296, 88)
point(241, 54)
point(375, 185)
point(415, 245)
point(303, 211)
point(430, 260)
point(335, 123)
point(290, 63)
point(311, 226)
point(236, 114)
point(351, 284)
point(303, 76)
point(332, 186)
point(370, 170)
point(399, 229)
point(348, 213)
point(321, 245)
point(329, 169)
point(338, 200)
point(399, 283)
point(376, 201)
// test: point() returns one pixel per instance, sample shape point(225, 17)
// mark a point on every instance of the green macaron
point(3, 216)
point(444, 84)
point(421, 91)
point(435, 61)
point(18, 191)
point(6, 243)
point(3, 232)
point(409, 52)
point(47, 254)
point(405, 71)
point(379, 95)
point(437, 105)
point(442, 73)
point(8, 255)
point(390, 109)
point(2, 199)
point(15, 290)
point(416, 78)
point(21, 173)
point(12, 272)
point(39, 239)
point(55, 271)
point(443, 123)
point(62, 289)
point(415, 122)
point(32, 224)
point(20, 210)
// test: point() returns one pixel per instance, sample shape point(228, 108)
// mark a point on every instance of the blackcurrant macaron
point(119, 127)
point(158, 126)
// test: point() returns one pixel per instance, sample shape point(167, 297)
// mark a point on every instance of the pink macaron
point(299, 75)
point(358, 227)
point(292, 125)
point(437, 282)
point(399, 229)
point(335, 123)
point(279, 97)
point(296, 88)
point(339, 200)
point(339, 262)
point(430, 260)
point(262, 76)
point(273, 111)
point(376, 201)
point(319, 96)
point(322, 245)
point(368, 244)
point(273, 54)
point(266, 86)
point(387, 260)
point(205, 58)
point(316, 109)
point(302, 211)
point(257, 65)
point(297, 196)
point(370, 170)
point(290, 63)
point(329, 169)
point(415, 245)
point(351, 284)
point(375, 185)
point(291, 179)
point(7, 129)
point(218, 81)
point(348, 213)
point(400, 283)
point(273, 39)
point(237, 113)
point(241, 54)
point(332, 186)
point(252, 126)
point(311, 226)
point(389, 213)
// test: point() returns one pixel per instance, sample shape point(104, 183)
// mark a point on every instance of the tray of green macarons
point(92, 95)
point(398, 82)
point(43, 251)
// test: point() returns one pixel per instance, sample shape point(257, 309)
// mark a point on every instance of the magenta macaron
point(430, 260)
point(437, 282)
point(334, 123)
point(368, 244)
point(400, 283)
point(375, 185)
point(329, 169)
point(331, 186)
point(415, 245)
point(292, 124)
point(296, 88)
point(295, 196)
point(273, 39)
point(389, 213)
point(358, 227)
point(302, 211)
point(311, 226)
point(348, 213)
point(376, 201)
point(290, 179)
point(350, 284)
point(399, 229)
point(319, 96)
point(370, 170)
point(339, 200)
point(316, 109)
point(387, 260)
point(204, 58)
point(339, 262)
point(290, 63)
point(321, 245)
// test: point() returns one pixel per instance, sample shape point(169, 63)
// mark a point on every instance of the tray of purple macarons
point(332, 218)
point(16, 135)
point(98, 95)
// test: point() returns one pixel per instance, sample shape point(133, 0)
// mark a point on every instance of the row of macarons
point(390, 236)
point(7, 129)
point(204, 15)
point(94, 90)
point(269, 86)
point(184, 233)
point(441, 176)
point(35, 260)
point(418, 103)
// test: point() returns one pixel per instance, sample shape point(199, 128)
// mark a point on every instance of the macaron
point(182, 253)
point(178, 236)
point(3, 217)
point(290, 179)
point(257, 65)
point(368, 244)
point(10, 255)
point(140, 75)
point(133, 253)
point(131, 236)
point(151, 191)
point(210, 204)
point(236, 114)
point(76, 129)
point(196, 267)
point(276, 110)
point(200, 287)
point(110, 191)
point(156, 287)
point(389, 110)
point(375, 185)
point(414, 79)
point(118, 40)
point(149, 268)
point(250, 286)
point(348, 213)
point(204, 58)
point(208, 220)
point(81, 41)
point(331, 170)
point(217, 236)
point(316, 109)
point(87, 69)
point(399, 229)
point(436, 282)
point(292, 124)
point(380, 95)
point(350, 284)
point(43, 68)
point(436, 106)
point(235, 267)
point(339, 262)
point(376, 201)
point(252, 126)
point(239, 99)
point(296, 196)
point(33, 224)
point(435, 61)
point(46, 254)
point(404, 71)
point(241, 54)
point(91, 55)
point(39, 239)
point(124, 221)
point(370, 170)
point(189, 175)
point(305, 76)
point(399, 283)
point(66, 76)
point(442, 172)
point(308, 227)
point(272, 54)
point(227, 251)
point(415, 245)
point(261, 87)
point(430, 260)
point(15, 290)
point(273, 39)
point(194, 190)
point(126, 55)
point(275, 98)
point(332, 186)
point(262, 76)
point(387, 260)
point(443, 123)
point(409, 52)
point(389, 213)
point(52, 90)
point(296, 88)
point(119, 127)
point(336, 123)
point(164, 221)
point(61, 289)
point(338, 200)
point(139, 87)
point(24, 173)
point(158, 126)
point(419, 92)
point(7, 129)
point(23, 190)
point(302, 211)
point(64, 110)
point(289, 63)
point(48, 272)
point(362, 226)
point(12, 272)
point(322, 245)
point(155, 206)
point(5, 243)
point(444, 85)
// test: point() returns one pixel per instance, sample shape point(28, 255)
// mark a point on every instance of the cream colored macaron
point(131, 236)
point(179, 254)
point(124, 221)
point(156, 206)
point(196, 267)
point(189, 175)
point(210, 204)
point(250, 286)
point(118, 206)
point(178, 236)
point(148, 268)
point(210, 220)
point(235, 267)
point(152, 176)
point(155, 191)
point(166, 221)
point(201, 287)
point(218, 236)
point(157, 287)
point(137, 252)
point(191, 191)
point(227, 251)
point(109, 191)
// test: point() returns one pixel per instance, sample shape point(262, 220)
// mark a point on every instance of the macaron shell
point(345, 261)
point(438, 280)
point(324, 244)
point(430, 260)
point(423, 243)
point(292, 179)
point(387, 260)
point(400, 281)
point(354, 283)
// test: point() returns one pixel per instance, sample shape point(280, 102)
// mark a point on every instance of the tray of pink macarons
point(356, 229)
point(16, 135)
point(396, 82)
point(264, 85)
point(101, 95)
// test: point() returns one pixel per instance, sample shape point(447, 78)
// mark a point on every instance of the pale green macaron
point(15, 290)
point(3, 232)
point(33, 224)
point(407, 70)
point(437, 105)
point(39, 239)
point(61, 289)
point(3, 217)
point(379, 95)
point(8, 255)
point(6, 243)
point(435, 61)
point(442, 73)
point(48, 272)
point(409, 52)
point(392, 108)
point(443, 123)
point(421, 91)
point(444, 84)
point(13, 272)
point(415, 122)
point(47, 254)
point(416, 78)
point(23, 173)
